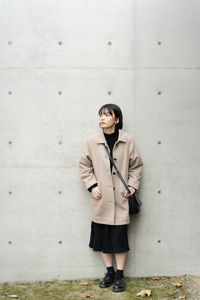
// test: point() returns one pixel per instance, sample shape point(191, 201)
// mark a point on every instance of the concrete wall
point(59, 62)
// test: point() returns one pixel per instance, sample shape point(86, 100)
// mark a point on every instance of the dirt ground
point(161, 288)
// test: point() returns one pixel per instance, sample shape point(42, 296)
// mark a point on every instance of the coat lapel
point(101, 138)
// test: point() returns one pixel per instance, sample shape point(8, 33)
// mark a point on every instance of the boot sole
point(105, 286)
point(119, 290)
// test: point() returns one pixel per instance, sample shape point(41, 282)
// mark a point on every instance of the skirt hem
point(110, 252)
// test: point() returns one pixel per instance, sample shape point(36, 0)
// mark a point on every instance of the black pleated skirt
point(109, 238)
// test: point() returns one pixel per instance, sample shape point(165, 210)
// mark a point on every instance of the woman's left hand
point(132, 192)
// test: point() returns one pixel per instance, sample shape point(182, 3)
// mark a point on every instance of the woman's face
point(107, 120)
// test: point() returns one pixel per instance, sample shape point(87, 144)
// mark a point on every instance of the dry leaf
point(28, 281)
point(88, 296)
point(178, 284)
point(85, 283)
point(171, 293)
point(182, 297)
point(144, 293)
point(155, 278)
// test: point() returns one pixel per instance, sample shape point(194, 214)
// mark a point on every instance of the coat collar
point(101, 137)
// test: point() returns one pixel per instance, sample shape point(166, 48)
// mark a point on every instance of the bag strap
point(118, 173)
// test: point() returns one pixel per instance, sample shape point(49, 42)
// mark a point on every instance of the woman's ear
point(117, 121)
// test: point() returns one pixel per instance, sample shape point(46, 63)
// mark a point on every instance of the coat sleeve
point(135, 167)
point(86, 167)
point(91, 187)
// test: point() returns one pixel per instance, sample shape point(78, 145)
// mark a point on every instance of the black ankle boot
point(107, 280)
point(119, 284)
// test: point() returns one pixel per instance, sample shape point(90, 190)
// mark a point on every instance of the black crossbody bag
point(134, 200)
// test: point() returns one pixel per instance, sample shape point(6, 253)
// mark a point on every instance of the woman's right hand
point(96, 193)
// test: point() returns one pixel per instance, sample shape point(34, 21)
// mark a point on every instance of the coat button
point(115, 158)
point(114, 188)
point(114, 173)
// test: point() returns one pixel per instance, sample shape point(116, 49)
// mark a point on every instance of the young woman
point(109, 198)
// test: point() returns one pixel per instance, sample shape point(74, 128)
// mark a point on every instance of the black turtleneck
point(111, 138)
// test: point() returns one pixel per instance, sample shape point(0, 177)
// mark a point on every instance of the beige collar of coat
point(101, 137)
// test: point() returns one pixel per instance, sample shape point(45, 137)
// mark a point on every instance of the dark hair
point(117, 111)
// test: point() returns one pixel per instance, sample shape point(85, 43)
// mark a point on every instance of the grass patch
point(72, 289)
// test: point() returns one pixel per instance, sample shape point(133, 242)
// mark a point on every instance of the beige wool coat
point(94, 167)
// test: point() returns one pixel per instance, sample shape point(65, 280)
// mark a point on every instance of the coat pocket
point(97, 199)
point(122, 192)
point(100, 190)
